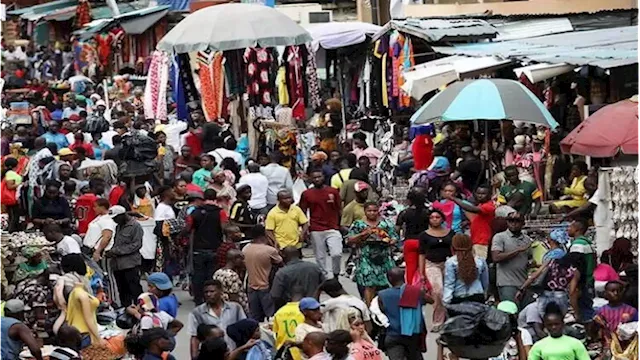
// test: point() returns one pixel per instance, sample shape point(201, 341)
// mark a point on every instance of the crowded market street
point(268, 180)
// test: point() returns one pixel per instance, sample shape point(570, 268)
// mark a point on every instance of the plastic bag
point(629, 353)
point(124, 320)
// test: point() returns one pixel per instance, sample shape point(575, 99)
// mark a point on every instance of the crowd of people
point(232, 230)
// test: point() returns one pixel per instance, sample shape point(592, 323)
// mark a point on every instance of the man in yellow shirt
point(286, 320)
point(284, 221)
point(347, 164)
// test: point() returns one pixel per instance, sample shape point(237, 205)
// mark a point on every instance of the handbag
point(9, 197)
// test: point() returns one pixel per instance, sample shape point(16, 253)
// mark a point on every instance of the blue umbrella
point(485, 99)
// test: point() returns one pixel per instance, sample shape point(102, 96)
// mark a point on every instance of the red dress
point(422, 149)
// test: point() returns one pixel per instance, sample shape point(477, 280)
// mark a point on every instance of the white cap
point(116, 210)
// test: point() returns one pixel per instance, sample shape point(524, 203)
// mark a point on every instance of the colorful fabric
point(232, 285)
point(616, 315)
point(83, 14)
point(259, 86)
point(313, 86)
point(155, 97)
point(207, 87)
point(293, 56)
point(191, 95)
point(375, 253)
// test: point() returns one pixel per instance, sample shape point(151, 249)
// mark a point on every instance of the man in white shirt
point(226, 149)
point(65, 245)
point(259, 186)
point(279, 179)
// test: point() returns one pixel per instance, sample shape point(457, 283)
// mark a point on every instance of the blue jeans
point(585, 302)
point(561, 298)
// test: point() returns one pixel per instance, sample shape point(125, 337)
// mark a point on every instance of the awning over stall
point(133, 22)
point(432, 75)
point(334, 35)
point(434, 30)
point(604, 48)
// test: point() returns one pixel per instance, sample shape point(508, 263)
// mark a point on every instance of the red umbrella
point(609, 130)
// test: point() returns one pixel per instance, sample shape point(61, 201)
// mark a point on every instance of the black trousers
point(14, 218)
point(204, 264)
point(129, 288)
point(402, 347)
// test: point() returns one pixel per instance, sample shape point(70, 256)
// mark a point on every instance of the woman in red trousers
point(411, 223)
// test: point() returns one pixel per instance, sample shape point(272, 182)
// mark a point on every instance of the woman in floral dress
point(375, 238)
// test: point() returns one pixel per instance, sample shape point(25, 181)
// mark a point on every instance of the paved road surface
point(182, 348)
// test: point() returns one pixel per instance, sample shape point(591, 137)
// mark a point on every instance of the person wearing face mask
point(557, 346)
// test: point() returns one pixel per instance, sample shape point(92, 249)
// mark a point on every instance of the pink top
point(604, 272)
point(372, 153)
point(364, 350)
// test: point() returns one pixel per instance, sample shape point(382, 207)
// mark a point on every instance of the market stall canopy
point(610, 130)
point(432, 75)
point(233, 26)
point(604, 48)
point(485, 99)
point(434, 30)
point(133, 21)
point(334, 35)
point(542, 72)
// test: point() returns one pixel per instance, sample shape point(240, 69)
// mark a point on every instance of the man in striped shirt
point(69, 342)
point(616, 312)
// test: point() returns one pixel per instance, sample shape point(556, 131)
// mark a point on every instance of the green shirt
point(527, 189)
point(199, 178)
point(561, 348)
point(13, 176)
point(582, 245)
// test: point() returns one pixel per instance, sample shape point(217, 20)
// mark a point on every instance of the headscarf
point(35, 172)
point(242, 331)
point(560, 236)
point(30, 251)
point(148, 302)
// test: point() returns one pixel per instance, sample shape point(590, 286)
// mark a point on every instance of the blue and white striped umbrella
point(485, 99)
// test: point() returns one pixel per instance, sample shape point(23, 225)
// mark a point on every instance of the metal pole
point(341, 89)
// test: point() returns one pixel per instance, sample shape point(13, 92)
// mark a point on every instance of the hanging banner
point(269, 3)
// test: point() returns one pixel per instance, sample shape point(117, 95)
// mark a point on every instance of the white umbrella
point(77, 78)
point(233, 26)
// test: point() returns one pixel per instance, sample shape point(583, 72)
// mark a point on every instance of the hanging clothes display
point(258, 62)
point(155, 94)
point(313, 85)
point(191, 95)
point(380, 51)
point(178, 95)
point(234, 72)
point(104, 42)
point(407, 62)
point(211, 84)
point(83, 14)
point(293, 58)
point(281, 84)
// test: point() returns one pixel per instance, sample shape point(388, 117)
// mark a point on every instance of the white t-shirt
point(94, 232)
point(68, 245)
point(163, 212)
point(259, 187)
point(146, 322)
point(222, 153)
point(72, 140)
point(149, 239)
point(279, 179)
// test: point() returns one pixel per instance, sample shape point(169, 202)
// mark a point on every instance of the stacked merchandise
point(623, 205)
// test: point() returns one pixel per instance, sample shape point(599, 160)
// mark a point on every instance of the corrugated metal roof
point(434, 30)
point(522, 29)
point(604, 48)
point(97, 26)
point(68, 13)
point(36, 9)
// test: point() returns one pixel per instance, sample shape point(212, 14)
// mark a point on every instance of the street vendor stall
point(233, 45)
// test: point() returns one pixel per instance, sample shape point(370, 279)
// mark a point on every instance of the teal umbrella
point(485, 99)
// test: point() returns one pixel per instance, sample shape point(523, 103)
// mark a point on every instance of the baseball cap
point(101, 103)
point(65, 152)
point(160, 280)
point(309, 303)
point(14, 306)
point(116, 210)
point(508, 307)
point(360, 186)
